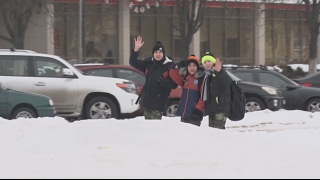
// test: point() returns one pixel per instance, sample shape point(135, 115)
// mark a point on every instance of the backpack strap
point(140, 94)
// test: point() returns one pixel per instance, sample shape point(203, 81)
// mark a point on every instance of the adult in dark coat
point(156, 90)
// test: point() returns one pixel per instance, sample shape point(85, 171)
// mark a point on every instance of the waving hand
point(138, 43)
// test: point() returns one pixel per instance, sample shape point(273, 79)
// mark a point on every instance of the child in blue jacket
point(189, 76)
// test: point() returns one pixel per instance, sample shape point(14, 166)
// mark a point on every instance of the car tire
point(23, 112)
point(313, 105)
point(254, 104)
point(101, 108)
point(171, 109)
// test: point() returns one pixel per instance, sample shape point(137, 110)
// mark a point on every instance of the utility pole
point(80, 31)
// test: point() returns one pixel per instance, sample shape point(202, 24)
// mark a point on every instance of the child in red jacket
point(189, 76)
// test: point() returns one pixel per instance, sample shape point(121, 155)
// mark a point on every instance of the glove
point(183, 71)
point(197, 115)
point(182, 64)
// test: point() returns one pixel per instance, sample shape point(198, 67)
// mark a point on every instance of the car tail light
point(129, 87)
point(306, 84)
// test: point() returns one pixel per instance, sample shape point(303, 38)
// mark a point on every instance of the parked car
point(132, 74)
point(311, 80)
point(296, 96)
point(74, 94)
point(18, 104)
point(258, 96)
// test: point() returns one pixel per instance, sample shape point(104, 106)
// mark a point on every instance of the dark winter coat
point(156, 90)
point(216, 92)
point(191, 87)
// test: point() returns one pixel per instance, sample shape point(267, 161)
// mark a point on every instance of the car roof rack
point(249, 67)
point(17, 50)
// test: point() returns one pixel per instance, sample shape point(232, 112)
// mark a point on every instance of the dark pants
point(191, 121)
point(152, 114)
point(218, 120)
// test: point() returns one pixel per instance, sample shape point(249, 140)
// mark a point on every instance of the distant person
point(108, 58)
point(189, 75)
point(216, 91)
point(156, 90)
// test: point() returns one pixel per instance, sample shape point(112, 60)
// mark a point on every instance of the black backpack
point(237, 104)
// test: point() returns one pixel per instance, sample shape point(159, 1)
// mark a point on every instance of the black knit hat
point(158, 46)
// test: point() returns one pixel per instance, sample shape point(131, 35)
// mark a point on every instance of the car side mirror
point(67, 72)
point(290, 86)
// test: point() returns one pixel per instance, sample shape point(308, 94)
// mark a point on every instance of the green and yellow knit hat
point(208, 56)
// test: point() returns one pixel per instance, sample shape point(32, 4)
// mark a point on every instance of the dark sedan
point(311, 80)
point(297, 97)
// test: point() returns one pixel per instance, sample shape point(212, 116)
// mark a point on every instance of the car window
point(47, 67)
point(245, 76)
point(14, 66)
point(100, 72)
point(271, 80)
point(134, 76)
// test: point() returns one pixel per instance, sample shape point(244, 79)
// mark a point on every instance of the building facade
point(238, 32)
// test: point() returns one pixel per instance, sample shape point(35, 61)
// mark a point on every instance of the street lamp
point(80, 31)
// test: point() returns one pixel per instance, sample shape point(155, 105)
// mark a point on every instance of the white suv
point(74, 94)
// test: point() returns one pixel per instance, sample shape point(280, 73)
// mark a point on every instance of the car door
point(50, 81)
point(291, 95)
point(132, 75)
point(15, 73)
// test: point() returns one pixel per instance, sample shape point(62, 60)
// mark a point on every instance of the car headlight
point(270, 90)
point(51, 102)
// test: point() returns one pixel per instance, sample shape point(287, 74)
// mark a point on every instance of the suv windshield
point(73, 65)
point(233, 77)
point(79, 70)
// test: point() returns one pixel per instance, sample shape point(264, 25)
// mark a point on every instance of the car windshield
point(288, 79)
point(79, 70)
point(71, 63)
point(311, 75)
point(233, 77)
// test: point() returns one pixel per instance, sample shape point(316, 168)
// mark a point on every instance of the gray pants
point(152, 114)
point(218, 120)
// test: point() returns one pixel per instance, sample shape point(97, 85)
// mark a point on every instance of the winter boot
point(217, 121)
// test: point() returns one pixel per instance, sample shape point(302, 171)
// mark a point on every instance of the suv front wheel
point(100, 108)
point(254, 104)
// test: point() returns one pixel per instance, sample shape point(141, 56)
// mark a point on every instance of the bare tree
point(16, 16)
point(191, 13)
point(313, 20)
